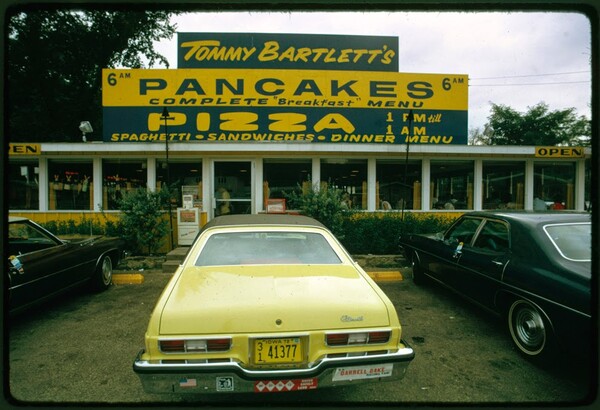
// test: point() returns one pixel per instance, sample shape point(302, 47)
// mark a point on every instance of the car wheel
point(528, 328)
point(103, 275)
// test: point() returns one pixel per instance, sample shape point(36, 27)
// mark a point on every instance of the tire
point(103, 276)
point(529, 329)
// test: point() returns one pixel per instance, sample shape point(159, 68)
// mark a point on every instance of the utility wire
point(520, 84)
point(529, 75)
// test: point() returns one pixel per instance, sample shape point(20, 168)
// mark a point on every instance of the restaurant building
point(246, 119)
point(92, 176)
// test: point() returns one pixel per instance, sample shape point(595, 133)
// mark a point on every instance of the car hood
point(280, 298)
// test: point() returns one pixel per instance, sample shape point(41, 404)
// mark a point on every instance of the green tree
point(537, 126)
point(55, 60)
point(477, 136)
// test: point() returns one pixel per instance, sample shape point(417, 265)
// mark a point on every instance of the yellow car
point(269, 303)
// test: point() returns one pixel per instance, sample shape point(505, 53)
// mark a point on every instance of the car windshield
point(252, 248)
point(573, 241)
point(24, 238)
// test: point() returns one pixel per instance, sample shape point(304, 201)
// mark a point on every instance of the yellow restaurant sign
point(284, 105)
point(24, 149)
point(559, 152)
point(283, 88)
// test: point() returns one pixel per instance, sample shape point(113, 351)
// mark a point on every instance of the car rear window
point(573, 241)
point(253, 248)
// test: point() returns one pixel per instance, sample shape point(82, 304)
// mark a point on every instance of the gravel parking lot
point(80, 349)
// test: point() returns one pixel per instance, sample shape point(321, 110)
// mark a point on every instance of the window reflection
point(398, 185)
point(70, 185)
point(503, 185)
point(588, 185)
point(348, 176)
point(23, 185)
point(282, 177)
point(451, 185)
point(121, 177)
point(553, 185)
point(185, 178)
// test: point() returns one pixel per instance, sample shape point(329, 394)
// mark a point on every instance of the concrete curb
point(386, 276)
point(127, 279)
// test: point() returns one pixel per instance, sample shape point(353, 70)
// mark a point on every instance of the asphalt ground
point(78, 350)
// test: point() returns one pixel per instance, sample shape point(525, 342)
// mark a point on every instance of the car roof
point(532, 218)
point(262, 220)
point(16, 219)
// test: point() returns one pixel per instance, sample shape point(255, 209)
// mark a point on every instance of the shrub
point(377, 233)
point(325, 205)
point(72, 227)
point(142, 219)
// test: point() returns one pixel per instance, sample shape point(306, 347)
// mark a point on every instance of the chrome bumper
point(232, 378)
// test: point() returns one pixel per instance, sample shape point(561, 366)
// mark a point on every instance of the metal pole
point(165, 116)
point(405, 185)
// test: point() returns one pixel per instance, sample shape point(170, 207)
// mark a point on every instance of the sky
point(517, 59)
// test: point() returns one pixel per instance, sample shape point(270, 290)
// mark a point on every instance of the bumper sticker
point(363, 372)
point(187, 382)
point(273, 386)
point(225, 384)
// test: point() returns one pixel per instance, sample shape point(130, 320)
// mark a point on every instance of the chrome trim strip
point(145, 367)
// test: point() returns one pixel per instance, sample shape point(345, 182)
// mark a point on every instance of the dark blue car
point(534, 269)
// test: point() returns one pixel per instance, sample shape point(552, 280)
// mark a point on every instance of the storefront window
point(70, 185)
point(283, 177)
point(554, 185)
point(398, 185)
point(184, 176)
point(503, 185)
point(23, 187)
point(451, 185)
point(120, 177)
point(348, 176)
point(233, 187)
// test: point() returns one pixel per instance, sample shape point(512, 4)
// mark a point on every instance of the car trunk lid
point(273, 298)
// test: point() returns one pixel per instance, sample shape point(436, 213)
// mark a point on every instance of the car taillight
point(379, 337)
point(337, 339)
point(172, 346)
point(360, 338)
point(195, 345)
point(218, 345)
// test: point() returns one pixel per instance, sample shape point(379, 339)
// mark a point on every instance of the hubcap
point(106, 271)
point(527, 328)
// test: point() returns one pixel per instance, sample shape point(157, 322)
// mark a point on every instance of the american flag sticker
point(187, 382)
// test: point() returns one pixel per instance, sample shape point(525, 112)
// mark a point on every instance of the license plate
point(276, 351)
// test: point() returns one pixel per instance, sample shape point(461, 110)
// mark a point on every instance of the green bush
point(325, 205)
point(72, 227)
point(142, 219)
point(377, 233)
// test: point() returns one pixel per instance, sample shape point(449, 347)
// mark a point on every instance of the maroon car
point(40, 265)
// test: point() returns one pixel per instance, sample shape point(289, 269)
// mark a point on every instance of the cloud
point(502, 45)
